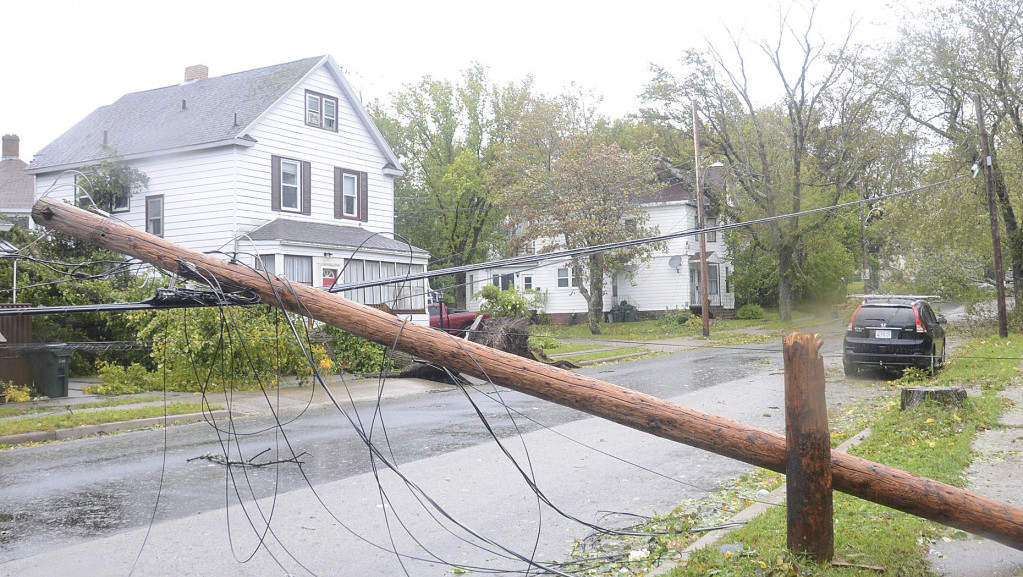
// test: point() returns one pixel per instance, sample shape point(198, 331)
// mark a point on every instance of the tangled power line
point(405, 504)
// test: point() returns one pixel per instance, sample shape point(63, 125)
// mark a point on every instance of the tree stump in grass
point(948, 396)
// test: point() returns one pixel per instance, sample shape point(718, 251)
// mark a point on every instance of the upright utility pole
point(996, 235)
point(704, 299)
point(864, 271)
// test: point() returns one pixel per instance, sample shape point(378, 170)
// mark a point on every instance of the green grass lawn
point(69, 420)
point(595, 356)
point(14, 410)
point(643, 330)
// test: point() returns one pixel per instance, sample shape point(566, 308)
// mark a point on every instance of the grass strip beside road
point(68, 420)
point(13, 410)
point(596, 356)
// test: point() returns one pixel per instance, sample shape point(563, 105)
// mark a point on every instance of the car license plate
point(883, 334)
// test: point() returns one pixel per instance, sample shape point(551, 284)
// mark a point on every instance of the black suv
point(894, 331)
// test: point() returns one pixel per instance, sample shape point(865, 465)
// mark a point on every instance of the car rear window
point(871, 316)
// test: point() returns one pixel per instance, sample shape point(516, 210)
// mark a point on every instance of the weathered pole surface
point(700, 224)
point(809, 507)
point(871, 481)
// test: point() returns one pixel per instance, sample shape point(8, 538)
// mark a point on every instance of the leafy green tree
point(447, 134)
point(948, 54)
point(109, 184)
point(568, 185)
point(812, 148)
point(57, 270)
point(509, 302)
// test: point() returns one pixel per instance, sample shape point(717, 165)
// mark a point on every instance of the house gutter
point(242, 141)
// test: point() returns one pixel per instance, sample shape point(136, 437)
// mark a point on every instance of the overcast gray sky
point(64, 58)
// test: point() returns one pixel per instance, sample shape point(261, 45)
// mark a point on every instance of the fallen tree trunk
point(871, 481)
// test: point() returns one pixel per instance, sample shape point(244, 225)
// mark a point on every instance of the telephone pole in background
point(704, 299)
point(996, 235)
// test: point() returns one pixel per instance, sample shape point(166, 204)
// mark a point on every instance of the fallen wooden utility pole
point(871, 481)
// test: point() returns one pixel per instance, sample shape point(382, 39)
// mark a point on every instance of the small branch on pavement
point(220, 460)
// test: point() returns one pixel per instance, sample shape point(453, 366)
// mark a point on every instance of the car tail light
point(920, 328)
point(853, 317)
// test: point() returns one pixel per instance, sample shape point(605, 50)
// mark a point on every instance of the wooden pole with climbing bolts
point(871, 481)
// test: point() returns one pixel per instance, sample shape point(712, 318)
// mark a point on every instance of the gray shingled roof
point(322, 234)
point(153, 120)
point(16, 186)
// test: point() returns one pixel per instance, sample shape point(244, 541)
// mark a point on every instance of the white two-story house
point(281, 166)
point(668, 280)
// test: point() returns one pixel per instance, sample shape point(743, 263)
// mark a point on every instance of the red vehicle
point(452, 321)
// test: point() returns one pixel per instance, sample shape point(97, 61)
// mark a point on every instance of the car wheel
point(850, 368)
point(941, 359)
point(933, 367)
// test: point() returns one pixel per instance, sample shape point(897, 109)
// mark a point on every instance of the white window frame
point(297, 185)
point(565, 276)
point(527, 282)
point(124, 205)
point(713, 280)
point(154, 222)
point(329, 119)
point(313, 104)
point(352, 194)
point(711, 222)
point(317, 113)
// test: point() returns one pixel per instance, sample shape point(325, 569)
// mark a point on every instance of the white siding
point(212, 196)
point(197, 188)
point(283, 132)
point(655, 286)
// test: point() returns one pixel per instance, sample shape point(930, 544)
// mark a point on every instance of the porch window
point(299, 269)
point(266, 262)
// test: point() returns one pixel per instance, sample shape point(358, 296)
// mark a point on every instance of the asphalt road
point(93, 505)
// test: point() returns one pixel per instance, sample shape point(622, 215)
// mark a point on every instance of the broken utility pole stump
point(947, 396)
point(810, 519)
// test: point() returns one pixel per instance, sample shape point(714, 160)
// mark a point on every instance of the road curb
point(88, 430)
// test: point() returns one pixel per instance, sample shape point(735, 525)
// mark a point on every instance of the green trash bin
point(50, 369)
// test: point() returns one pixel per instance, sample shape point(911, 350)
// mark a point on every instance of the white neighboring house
point(281, 165)
point(669, 280)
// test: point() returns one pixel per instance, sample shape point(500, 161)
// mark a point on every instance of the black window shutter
point(338, 181)
point(363, 197)
point(275, 183)
point(307, 188)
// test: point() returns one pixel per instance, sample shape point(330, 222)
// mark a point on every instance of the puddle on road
point(89, 513)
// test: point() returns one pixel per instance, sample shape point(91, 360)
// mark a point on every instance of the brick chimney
point(10, 147)
point(197, 72)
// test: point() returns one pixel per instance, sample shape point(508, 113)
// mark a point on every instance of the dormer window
point(320, 110)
